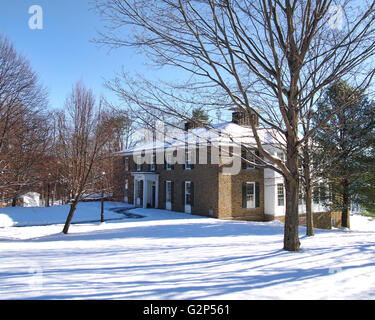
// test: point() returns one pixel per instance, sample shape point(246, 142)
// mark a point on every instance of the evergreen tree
point(199, 114)
point(365, 187)
point(344, 144)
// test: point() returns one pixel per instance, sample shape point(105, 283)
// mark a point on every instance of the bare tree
point(24, 153)
point(24, 129)
point(80, 138)
point(266, 57)
point(20, 90)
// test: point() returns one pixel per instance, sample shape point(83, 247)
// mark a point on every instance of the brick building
point(197, 171)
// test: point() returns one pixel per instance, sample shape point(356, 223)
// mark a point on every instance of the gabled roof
point(227, 133)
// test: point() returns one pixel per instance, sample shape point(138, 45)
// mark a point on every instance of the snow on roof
point(227, 133)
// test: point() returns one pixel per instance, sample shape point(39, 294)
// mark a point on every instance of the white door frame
point(148, 179)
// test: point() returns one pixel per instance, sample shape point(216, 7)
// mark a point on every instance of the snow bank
point(34, 216)
point(5, 221)
point(361, 223)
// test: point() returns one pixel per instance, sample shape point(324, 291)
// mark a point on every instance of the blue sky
point(61, 53)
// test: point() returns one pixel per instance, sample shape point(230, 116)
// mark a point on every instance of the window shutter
point(244, 195)
point(172, 191)
point(192, 193)
point(257, 195)
point(165, 192)
point(183, 192)
point(185, 156)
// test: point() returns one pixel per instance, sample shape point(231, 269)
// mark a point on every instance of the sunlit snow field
point(158, 254)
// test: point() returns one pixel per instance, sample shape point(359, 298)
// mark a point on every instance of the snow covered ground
point(170, 255)
point(34, 216)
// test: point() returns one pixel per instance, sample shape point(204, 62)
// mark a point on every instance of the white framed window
point(249, 155)
point(280, 155)
point(138, 192)
point(168, 162)
point(153, 162)
point(280, 194)
point(250, 195)
point(187, 193)
point(126, 187)
point(126, 190)
point(126, 163)
point(249, 166)
point(138, 166)
point(188, 160)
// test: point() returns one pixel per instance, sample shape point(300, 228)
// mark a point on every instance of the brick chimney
point(243, 118)
point(192, 124)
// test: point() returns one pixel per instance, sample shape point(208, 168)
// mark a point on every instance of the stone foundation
point(321, 220)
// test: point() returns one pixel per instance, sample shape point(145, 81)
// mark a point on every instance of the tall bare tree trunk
point(14, 201)
point(48, 195)
point(291, 239)
point(308, 193)
point(345, 214)
point(102, 207)
point(309, 214)
point(73, 207)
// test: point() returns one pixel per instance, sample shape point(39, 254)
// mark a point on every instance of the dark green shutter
point(257, 195)
point(183, 192)
point(165, 192)
point(244, 195)
point(172, 191)
point(191, 193)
